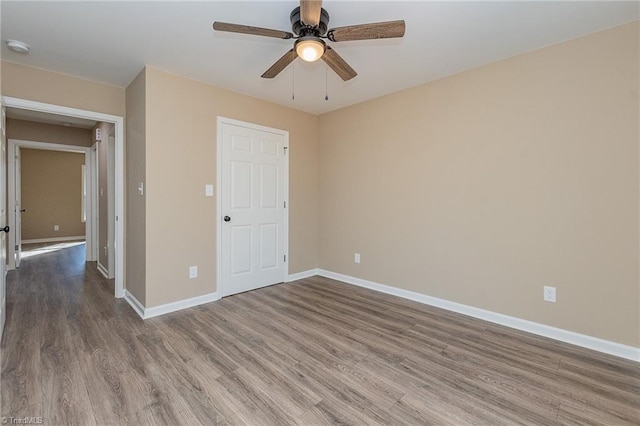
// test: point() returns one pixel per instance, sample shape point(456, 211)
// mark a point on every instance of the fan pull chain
point(293, 82)
point(326, 84)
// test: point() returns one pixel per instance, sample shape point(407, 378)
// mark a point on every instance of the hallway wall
point(50, 133)
point(51, 194)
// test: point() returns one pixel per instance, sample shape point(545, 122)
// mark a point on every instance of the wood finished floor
point(315, 351)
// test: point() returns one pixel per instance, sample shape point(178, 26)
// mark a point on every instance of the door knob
point(227, 219)
point(5, 229)
point(23, 210)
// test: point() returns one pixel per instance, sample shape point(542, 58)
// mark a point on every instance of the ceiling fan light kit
point(310, 49)
point(309, 25)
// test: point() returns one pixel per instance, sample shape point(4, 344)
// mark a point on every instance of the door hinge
point(285, 257)
point(285, 204)
point(285, 150)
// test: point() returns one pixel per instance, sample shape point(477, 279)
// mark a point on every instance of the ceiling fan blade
point(280, 64)
point(390, 29)
point(339, 65)
point(246, 29)
point(310, 11)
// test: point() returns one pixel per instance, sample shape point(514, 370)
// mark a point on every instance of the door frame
point(118, 122)
point(285, 212)
point(12, 180)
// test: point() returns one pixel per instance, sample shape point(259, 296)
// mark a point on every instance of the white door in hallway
point(253, 182)
point(3, 220)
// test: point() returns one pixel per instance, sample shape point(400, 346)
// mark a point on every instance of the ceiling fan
point(309, 26)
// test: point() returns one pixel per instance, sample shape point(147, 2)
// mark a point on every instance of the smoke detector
point(18, 46)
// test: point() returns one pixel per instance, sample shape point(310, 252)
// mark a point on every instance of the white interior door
point(253, 178)
point(19, 210)
point(3, 222)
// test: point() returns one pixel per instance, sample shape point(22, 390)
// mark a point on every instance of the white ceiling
point(110, 42)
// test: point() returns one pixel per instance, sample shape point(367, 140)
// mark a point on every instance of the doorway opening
point(47, 183)
point(114, 138)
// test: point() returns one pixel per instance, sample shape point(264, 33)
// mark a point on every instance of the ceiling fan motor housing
point(301, 30)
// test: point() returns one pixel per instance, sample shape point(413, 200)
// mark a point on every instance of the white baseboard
point(594, 343)
point(155, 311)
point(54, 239)
point(302, 275)
point(102, 270)
point(135, 303)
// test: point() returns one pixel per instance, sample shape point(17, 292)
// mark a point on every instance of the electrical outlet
point(356, 258)
point(193, 272)
point(549, 294)
point(56, 227)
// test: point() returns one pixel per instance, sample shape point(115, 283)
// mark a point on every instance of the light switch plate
point(193, 272)
point(208, 190)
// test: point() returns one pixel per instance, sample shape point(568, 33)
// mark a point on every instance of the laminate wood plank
point(310, 335)
point(617, 391)
point(555, 384)
point(308, 312)
point(103, 386)
point(187, 390)
point(443, 397)
point(256, 405)
point(517, 384)
point(623, 380)
point(265, 373)
point(65, 396)
point(358, 310)
point(290, 399)
point(578, 413)
point(21, 372)
point(486, 393)
point(214, 354)
point(250, 348)
point(412, 410)
point(346, 392)
point(366, 383)
point(483, 343)
point(147, 403)
point(66, 400)
point(338, 412)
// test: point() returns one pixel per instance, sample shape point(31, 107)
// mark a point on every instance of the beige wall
point(51, 194)
point(135, 224)
point(51, 133)
point(35, 84)
point(181, 159)
point(483, 187)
